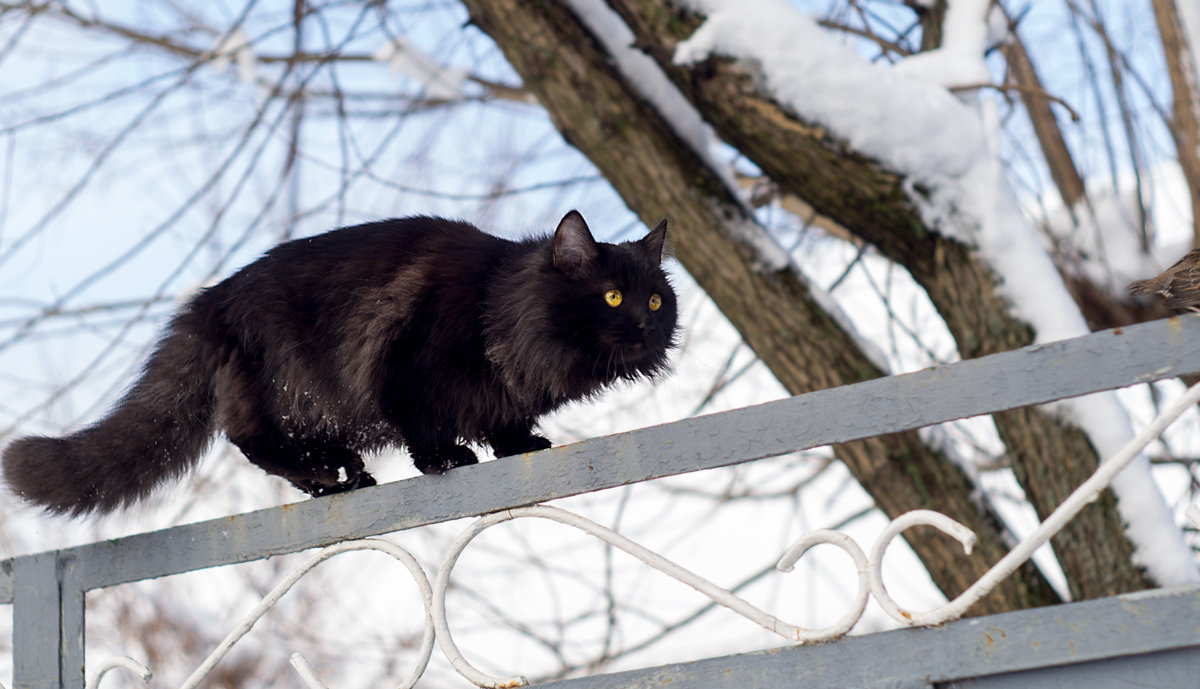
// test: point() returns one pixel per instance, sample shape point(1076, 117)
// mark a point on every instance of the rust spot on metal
point(1073, 625)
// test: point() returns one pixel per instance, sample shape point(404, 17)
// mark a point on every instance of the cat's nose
point(646, 325)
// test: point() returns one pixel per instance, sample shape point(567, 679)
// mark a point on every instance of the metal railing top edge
point(1068, 368)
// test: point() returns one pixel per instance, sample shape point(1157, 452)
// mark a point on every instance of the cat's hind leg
point(315, 466)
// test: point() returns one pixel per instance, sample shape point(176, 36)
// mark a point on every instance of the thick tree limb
point(657, 173)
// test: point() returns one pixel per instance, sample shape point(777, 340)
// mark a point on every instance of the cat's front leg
point(433, 455)
point(442, 459)
point(515, 440)
point(430, 436)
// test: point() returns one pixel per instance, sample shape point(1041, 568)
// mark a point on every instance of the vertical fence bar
point(72, 592)
point(47, 624)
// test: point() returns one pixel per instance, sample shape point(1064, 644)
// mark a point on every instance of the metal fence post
point(48, 623)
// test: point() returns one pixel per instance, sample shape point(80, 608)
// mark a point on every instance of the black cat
point(419, 331)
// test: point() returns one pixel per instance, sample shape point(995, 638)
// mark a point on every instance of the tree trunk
point(806, 349)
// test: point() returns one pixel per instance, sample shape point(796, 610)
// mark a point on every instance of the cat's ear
point(574, 246)
point(655, 242)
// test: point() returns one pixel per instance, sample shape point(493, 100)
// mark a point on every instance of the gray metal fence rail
point(47, 589)
point(1147, 640)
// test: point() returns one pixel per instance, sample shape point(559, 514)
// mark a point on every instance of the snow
point(1102, 233)
point(827, 82)
point(770, 257)
point(1158, 546)
point(645, 76)
point(1015, 250)
point(908, 120)
point(959, 61)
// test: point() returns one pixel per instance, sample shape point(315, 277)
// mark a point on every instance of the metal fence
point(1153, 637)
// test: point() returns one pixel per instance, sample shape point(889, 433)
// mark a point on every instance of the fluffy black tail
point(156, 432)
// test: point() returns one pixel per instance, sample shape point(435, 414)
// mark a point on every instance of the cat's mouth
point(633, 357)
point(630, 346)
point(636, 352)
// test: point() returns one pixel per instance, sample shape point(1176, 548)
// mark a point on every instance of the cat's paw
point(364, 480)
point(519, 446)
point(361, 480)
point(448, 458)
point(537, 443)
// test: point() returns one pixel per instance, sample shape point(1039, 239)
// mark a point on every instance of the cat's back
point(372, 251)
point(316, 316)
point(311, 290)
point(333, 265)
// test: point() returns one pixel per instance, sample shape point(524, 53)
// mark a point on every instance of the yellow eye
point(613, 297)
point(655, 302)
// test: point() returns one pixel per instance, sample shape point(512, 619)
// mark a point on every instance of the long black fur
point(418, 331)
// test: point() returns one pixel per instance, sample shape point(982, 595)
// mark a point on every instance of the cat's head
point(613, 302)
point(579, 314)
